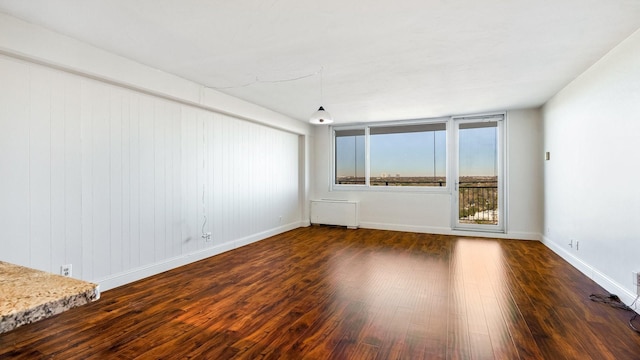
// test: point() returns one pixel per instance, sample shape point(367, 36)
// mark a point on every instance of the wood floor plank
point(333, 293)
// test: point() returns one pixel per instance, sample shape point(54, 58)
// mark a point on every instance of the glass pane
point(478, 173)
point(349, 159)
point(413, 158)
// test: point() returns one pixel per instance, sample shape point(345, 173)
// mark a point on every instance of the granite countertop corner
point(28, 295)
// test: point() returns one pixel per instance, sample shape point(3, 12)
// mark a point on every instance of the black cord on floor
point(614, 301)
point(631, 323)
point(611, 300)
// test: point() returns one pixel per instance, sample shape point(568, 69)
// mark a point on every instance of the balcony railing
point(395, 181)
point(478, 202)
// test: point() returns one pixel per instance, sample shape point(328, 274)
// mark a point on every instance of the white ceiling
point(381, 59)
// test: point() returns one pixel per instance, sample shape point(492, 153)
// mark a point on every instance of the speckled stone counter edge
point(19, 317)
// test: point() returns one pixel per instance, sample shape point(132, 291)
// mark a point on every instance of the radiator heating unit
point(335, 212)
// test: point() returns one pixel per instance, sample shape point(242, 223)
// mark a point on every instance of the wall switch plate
point(65, 270)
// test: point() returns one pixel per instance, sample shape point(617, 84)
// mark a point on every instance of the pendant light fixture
point(321, 116)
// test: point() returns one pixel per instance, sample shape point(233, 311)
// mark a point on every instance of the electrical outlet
point(65, 270)
point(636, 281)
point(206, 236)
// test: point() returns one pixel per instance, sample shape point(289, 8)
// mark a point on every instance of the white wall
point(591, 182)
point(431, 213)
point(525, 178)
point(104, 167)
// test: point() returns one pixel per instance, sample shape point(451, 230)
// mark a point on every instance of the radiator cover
point(335, 212)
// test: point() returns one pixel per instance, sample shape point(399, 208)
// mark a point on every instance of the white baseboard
point(305, 223)
point(449, 231)
point(592, 273)
point(520, 235)
point(126, 277)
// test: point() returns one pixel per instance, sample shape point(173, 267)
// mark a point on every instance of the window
point(349, 157)
point(392, 155)
point(410, 155)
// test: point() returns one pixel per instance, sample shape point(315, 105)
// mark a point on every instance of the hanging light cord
point(204, 212)
point(260, 81)
point(204, 207)
point(321, 85)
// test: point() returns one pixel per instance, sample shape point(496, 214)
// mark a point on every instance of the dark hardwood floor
point(333, 293)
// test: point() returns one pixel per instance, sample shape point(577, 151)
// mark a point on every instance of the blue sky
point(478, 151)
point(409, 154)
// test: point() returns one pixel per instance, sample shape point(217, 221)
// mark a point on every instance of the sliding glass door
point(478, 192)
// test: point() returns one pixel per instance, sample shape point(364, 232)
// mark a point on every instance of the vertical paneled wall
point(111, 180)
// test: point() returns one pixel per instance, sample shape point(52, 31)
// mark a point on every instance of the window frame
point(447, 121)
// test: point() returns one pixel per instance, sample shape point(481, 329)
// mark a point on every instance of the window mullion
point(367, 157)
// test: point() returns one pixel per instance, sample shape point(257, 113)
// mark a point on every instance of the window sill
point(398, 189)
